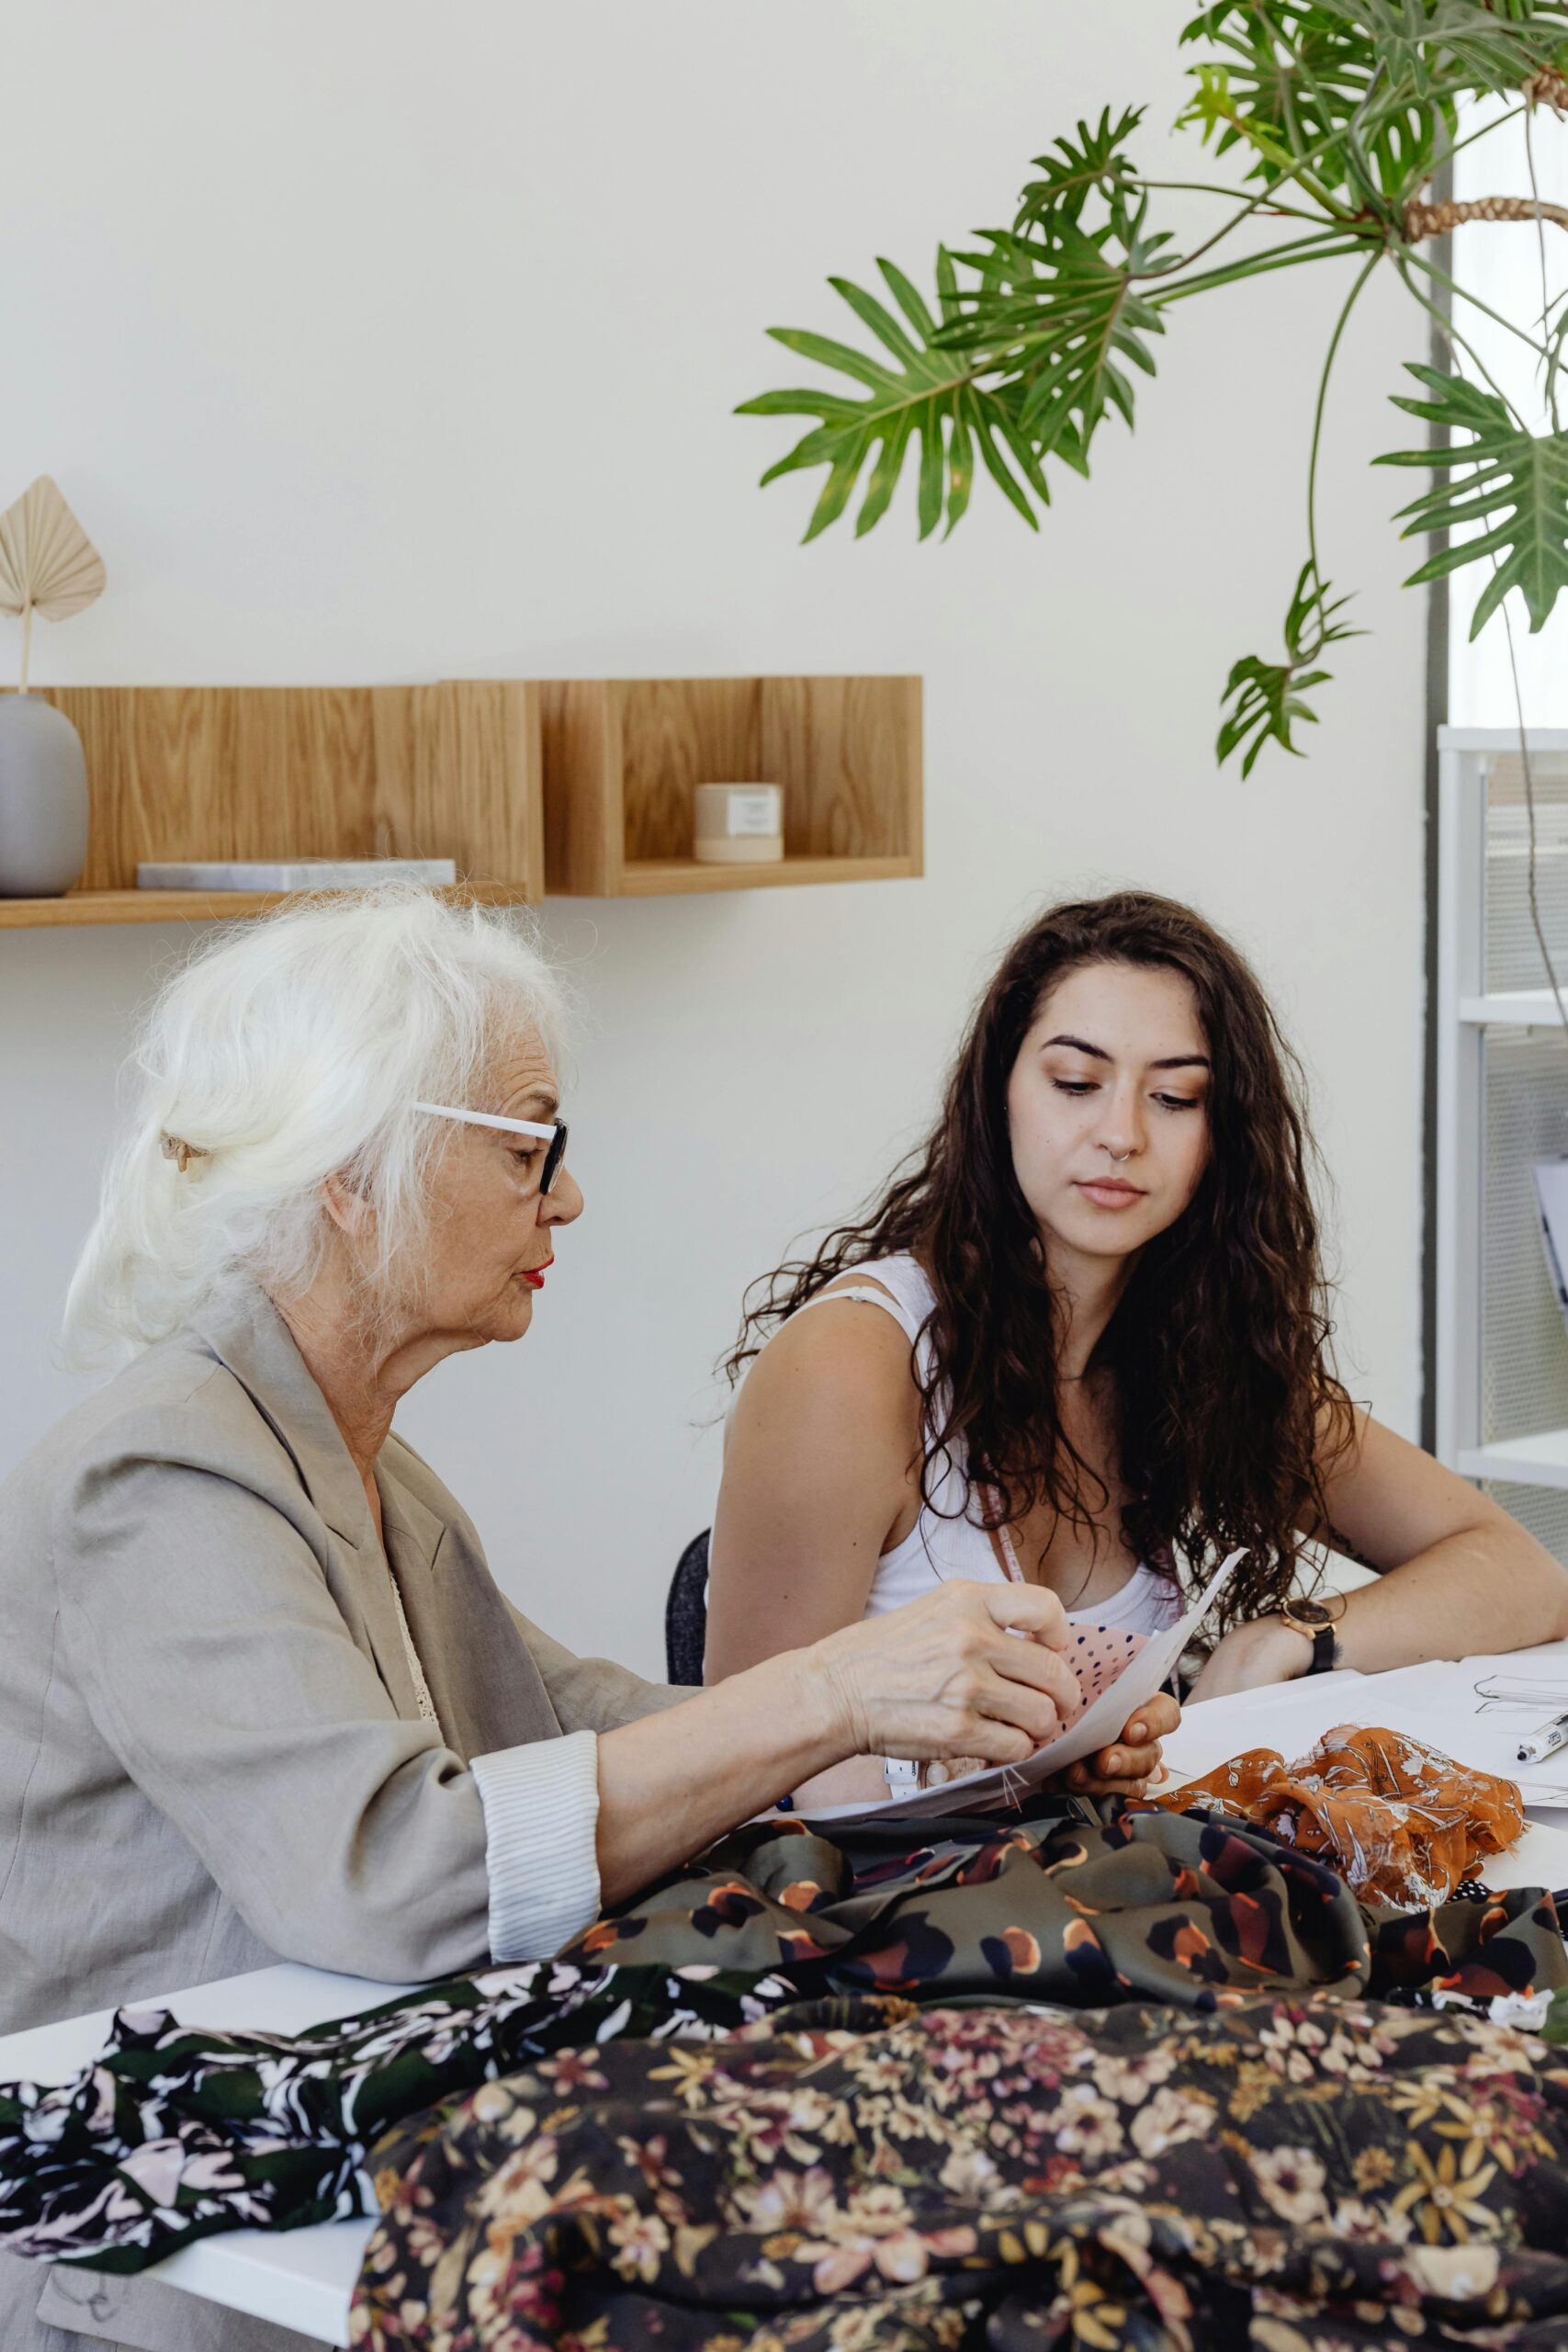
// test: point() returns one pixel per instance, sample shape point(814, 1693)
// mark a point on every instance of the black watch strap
point(1323, 1648)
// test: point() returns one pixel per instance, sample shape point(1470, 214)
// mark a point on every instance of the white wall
point(372, 343)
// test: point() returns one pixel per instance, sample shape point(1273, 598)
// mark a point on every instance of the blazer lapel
point(250, 1338)
point(485, 1685)
point(413, 1537)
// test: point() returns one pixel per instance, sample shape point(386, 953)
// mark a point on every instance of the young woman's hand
point(1263, 1650)
point(1125, 1769)
point(950, 1676)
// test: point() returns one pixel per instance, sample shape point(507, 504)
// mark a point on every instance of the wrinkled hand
point(944, 1676)
point(1126, 1769)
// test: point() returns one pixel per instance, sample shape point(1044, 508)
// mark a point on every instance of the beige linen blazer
point(212, 1756)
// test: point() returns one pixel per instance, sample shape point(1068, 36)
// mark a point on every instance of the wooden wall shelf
point(79, 907)
point(451, 770)
point(621, 755)
point(580, 787)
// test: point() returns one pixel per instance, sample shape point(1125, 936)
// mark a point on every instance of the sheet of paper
point(1096, 1727)
point(1476, 1712)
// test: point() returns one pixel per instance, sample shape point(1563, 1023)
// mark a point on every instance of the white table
point(301, 2279)
point(304, 2278)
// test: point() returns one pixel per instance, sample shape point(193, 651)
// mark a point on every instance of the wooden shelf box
point(273, 771)
point(622, 756)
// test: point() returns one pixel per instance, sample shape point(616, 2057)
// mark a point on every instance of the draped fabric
point(1402, 1823)
point(865, 2176)
point(174, 2134)
point(1060, 1900)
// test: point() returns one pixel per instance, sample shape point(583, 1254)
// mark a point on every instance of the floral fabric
point(174, 2132)
point(1301, 2176)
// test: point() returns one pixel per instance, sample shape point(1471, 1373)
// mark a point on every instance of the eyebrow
point(1099, 1054)
point(544, 1099)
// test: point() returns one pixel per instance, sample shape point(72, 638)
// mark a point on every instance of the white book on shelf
point(292, 872)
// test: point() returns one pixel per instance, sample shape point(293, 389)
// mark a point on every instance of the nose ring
point(1117, 1156)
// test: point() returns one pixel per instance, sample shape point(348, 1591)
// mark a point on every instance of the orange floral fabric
point(1403, 1823)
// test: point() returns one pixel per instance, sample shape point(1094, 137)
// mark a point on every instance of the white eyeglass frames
point(554, 1133)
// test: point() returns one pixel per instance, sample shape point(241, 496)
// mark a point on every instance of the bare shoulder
point(842, 1338)
point(846, 1360)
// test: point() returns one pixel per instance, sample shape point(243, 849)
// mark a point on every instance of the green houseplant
point(1335, 122)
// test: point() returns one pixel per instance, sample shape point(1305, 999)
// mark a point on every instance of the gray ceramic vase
point(43, 799)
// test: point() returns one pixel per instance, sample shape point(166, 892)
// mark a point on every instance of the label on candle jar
point(748, 814)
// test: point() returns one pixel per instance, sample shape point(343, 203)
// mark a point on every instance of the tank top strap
point(869, 1298)
point(905, 1293)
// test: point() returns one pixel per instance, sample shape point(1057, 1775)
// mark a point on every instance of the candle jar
point(739, 824)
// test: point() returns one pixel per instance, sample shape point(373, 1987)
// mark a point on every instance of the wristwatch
point(1316, 1620)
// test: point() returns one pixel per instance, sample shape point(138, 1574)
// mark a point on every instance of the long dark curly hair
point(1226, 1406)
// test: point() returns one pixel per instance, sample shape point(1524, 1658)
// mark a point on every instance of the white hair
point(288, 1051)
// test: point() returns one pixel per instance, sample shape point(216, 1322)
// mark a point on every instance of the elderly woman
point(260, 1697)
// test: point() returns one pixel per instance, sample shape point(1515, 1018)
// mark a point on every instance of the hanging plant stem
point(1327, 246)
point(1530, 866)
point(1413, 260)
point(1340, 324)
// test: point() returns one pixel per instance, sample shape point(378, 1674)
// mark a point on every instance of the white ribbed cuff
point(541, 1808)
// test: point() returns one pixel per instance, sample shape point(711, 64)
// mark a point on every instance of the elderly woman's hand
point(1123, 1769)
point(950, 1676)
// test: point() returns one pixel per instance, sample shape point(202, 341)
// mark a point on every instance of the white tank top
point(947, 1538)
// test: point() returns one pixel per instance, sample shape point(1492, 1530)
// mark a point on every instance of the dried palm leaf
point(48, 565)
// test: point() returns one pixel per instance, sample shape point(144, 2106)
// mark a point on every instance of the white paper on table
point(1442, 1704)
point(1101, 1724)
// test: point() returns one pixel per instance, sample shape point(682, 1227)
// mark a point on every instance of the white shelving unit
point(1502, 1350)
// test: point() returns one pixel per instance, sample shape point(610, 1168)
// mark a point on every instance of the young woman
point(1081, 1341)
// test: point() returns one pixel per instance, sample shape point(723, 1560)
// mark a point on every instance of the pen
point(1546, 1741)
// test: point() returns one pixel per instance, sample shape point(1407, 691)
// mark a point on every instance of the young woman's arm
point(817, 1475)
point(819, 1479)
point(1459, 1578)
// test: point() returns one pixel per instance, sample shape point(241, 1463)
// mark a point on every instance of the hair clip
point(175, 1147)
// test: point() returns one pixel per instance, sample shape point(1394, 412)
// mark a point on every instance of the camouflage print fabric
point(1062, 1900)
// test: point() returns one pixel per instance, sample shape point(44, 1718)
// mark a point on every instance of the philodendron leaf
point(1269, 697)
point(1063, 319)
point(1505, 487)
point(1283, 85)
point(1426, 47)
point(1058, 313)
point(1364, 92)
point(1026, 360)
point(921, 394)
point(1074, 170)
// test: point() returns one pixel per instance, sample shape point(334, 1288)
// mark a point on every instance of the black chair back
point(687, 1612)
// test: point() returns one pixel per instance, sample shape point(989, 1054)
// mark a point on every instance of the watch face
point(1311, 1612)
